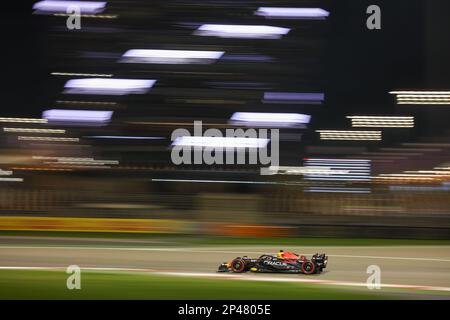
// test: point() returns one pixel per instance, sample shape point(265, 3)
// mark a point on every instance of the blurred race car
point(283, 262)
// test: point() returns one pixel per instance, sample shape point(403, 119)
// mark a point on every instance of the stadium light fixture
point(382, 121)
point(52, 6)
point(422, 97)
point(220, 142)
point(349, 135)
point(171, 56)
point(241, 31)
point(292, 13)
point(270, 119)
point(33, 130)
point(78, 116)
point(108, 86)
point(293, 97)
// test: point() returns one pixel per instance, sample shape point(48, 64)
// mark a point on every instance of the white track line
point(388, 258)
point(237, 277)
point(199, 250)
point(314, 281)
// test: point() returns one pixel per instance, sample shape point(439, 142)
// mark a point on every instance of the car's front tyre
point(238, 265)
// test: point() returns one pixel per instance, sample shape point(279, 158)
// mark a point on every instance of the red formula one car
point(283, 262)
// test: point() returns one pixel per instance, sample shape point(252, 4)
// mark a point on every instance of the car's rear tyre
point(238, 265)
point(308, 267)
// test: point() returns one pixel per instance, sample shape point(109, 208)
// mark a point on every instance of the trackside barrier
point(161, 226)
point(92, 224)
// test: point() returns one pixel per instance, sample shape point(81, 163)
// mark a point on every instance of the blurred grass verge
point(41, 284)
point(187, 240)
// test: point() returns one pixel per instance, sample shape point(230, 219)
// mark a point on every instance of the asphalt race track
point(400, 265)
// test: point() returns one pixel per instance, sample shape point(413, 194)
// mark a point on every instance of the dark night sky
point(23, 61)
point(362, 65)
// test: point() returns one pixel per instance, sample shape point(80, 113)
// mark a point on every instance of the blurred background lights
point(78, 116)
point(220, 142)
point(170, 56)
point(242, 31)
point(382, 121)
point(422, 97)
point(56, 6)
point(292, 13)
point(108, 86)
point(257, 119)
